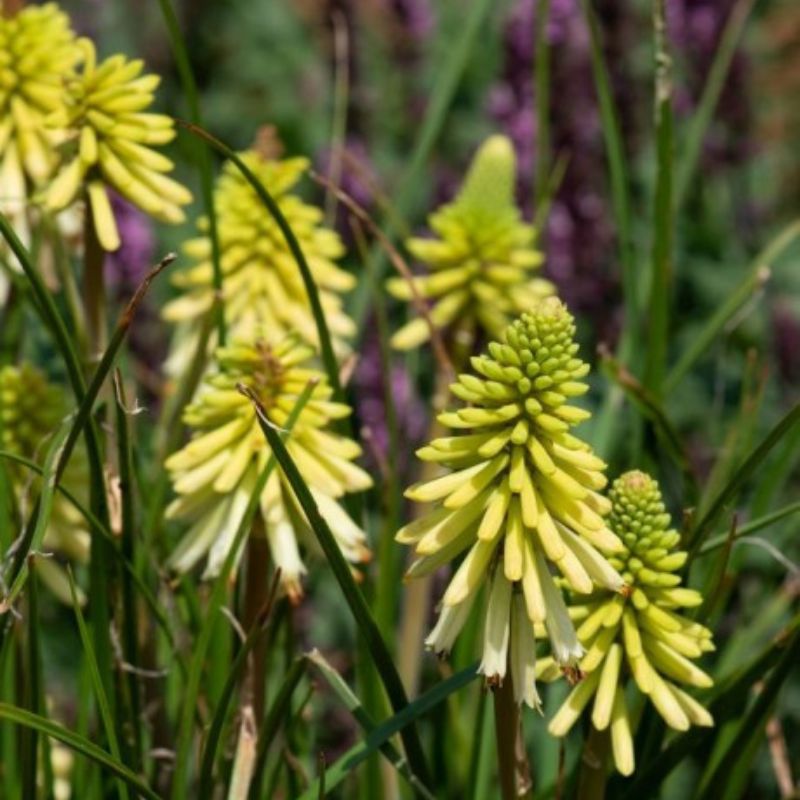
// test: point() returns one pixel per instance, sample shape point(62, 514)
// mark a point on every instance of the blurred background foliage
point(274, 63)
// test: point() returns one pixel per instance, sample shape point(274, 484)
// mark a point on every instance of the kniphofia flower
point(640, 633)
point(481, 263)
point(111, 144)
point(215, 474)
point(31, 409)
point(262, 292)
point(37, 51)
point(521, 495)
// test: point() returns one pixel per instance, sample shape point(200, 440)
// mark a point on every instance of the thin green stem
point(181, 55)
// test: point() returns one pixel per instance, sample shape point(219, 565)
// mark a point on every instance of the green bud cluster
point(522, 492)
point(481, 263)
point(640, 628)
point(31, 409)
point(263, 293)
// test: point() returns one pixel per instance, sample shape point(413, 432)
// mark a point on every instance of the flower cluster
point(30, 411)
point(522, 493)
point(215, 474)
point(481, 263)
point(37, 48)
point(111, 138)
point(263, 292)
point(641, 628)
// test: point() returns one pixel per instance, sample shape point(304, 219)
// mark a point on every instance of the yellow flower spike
point(480, 268)
point(38, 52)
point(510, 499)
point(214, 474)
point(263, 293)
point(102, 113)
point(30, 412)
point(641, 629)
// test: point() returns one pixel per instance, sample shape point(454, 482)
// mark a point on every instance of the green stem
point(512, 760)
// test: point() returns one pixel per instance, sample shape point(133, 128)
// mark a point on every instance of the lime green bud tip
point(637, 506)
point(489, 185)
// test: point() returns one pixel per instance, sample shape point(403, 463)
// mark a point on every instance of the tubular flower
point(521, 495)
point(37, 49)
point(215, 474)
point(263, 292)
point(30, 411)
point(641, 629)
point(112, 135)
point(482, 259)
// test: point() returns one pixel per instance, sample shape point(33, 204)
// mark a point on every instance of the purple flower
point(126, 267)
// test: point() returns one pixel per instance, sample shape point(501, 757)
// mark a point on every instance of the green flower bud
point(520, 493)
point(640, 630)
point(481, 262)
point(215, 473)
point(30, 411)
point(263, 293)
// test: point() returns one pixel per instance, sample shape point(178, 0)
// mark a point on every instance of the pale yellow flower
point(263, 293)
point(215, 474)
point(483, 259)
point(111, 144)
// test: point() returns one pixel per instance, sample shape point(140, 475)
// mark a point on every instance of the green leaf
point(79, 744)
point(106, 715)
point(757, 275)
point(727, 702)
point(254, 636)
point(396, 723)
point(219, 587)
point(325, 344)
point(181, 55)
point(717, 75)
point(663, 211)
point(726, 495)
point(365, 720)
point(752, 724)
point(367, 626)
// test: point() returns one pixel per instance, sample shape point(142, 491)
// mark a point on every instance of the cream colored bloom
point(521, 494)
point(640, 633)
point(482, 260)
point(37, 52)
point(263, 292)
point(111, 144)
point(215, 474)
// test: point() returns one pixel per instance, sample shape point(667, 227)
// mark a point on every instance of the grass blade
point(457, 57)
point(79, 744)
point(365, 720)
point(379, 652)
point(272, 721)
point(192, 690)
point(254, 636)
point(752, 723)
point(754, 280)
point(181, 55)
point(663, 215)
point(729, 699)
point(101, 530)
point(726, 495)
point(751, 527)
point(106, 717)
point(698, 126)
point(397, 723)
